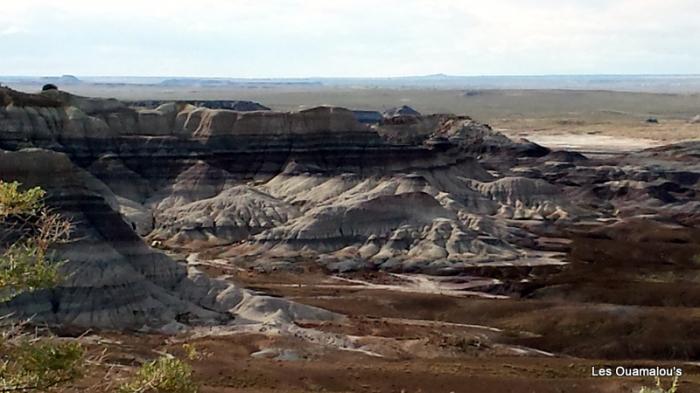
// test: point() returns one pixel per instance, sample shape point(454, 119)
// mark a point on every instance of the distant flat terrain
point(515, 112)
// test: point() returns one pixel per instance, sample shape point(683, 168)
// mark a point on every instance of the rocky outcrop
point(112, 278)
point(437, 193)
point(401, 111)
point(234, 105)
point(233, 215)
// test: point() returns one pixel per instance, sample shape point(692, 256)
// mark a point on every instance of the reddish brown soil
point(228, 367)
point(629, 297)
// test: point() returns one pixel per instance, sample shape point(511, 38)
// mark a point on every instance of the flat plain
point(517, 112)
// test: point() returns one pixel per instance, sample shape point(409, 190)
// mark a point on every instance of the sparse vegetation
point(28, 362)
point(166, 374)
point(659, 388)
point(31, 229)
point(32, 364)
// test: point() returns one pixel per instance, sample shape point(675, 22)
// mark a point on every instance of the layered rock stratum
point(437, 194)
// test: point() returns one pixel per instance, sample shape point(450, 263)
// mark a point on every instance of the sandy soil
point(588, 144)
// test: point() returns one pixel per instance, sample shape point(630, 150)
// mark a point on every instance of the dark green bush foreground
point(32, 362)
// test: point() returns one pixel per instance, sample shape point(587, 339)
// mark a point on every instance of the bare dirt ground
point(229, 367)
point(599, 137)
point(231, 364)
point(601, 309)
point(590, 144)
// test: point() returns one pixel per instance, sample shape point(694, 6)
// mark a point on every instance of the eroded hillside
point(317, 207)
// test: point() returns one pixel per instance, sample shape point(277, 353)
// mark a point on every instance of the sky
point(340, 38)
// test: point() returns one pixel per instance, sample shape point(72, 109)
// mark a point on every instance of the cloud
point(344, 38)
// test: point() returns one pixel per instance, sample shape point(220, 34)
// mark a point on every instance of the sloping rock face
point(112, 278)
point(436, 194)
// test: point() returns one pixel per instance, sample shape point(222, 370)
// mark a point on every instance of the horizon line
point(437, 75)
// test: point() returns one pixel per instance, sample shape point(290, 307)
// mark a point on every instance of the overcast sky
point(294, 38)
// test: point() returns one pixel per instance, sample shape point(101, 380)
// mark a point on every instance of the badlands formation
point(440, 195)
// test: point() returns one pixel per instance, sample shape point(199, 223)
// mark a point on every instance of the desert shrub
point(166, 374)
point(29, 362)
point(24, 269)
point(14, 201)
point(31, 229)
point(659, 388)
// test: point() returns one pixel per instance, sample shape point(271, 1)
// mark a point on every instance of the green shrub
point(29, 362)
point(166, 374)
point(659, 387)
point(14, 202)
point(24, 268)
point(32, 363)
point(25, 265)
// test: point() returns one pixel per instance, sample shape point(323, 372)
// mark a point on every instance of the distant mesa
point(404, 110)
point(62, 80)
point(429, 77)
point(223, 82)
point(194, 81)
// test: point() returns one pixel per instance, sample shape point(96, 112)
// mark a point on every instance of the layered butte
point(439, 194)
